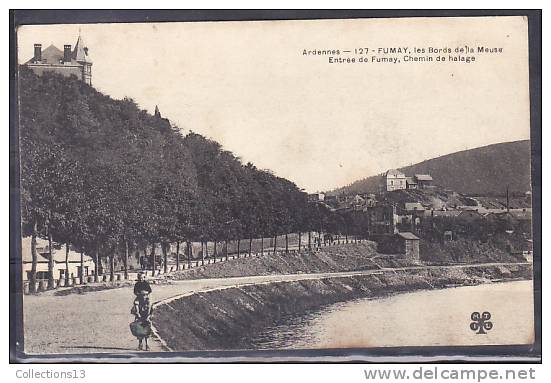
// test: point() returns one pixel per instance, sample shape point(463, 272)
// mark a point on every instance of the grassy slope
point(330, 259)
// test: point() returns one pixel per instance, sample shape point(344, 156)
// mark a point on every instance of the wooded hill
point(482, 171)
point(105, 177)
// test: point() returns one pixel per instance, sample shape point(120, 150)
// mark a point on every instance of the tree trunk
point(202, 253)
point(164, 248)
point(299, 240)
point(32, 277)
point(112, 266)
point(275, 244)
point(126, 252)
point(215, 250)
point(286, 243)
point(226, 249)
point(309, 240)
point(96, 264)
point(153, 259)
point(262, 245)
point(125, 259)
point(238, 248)
point(189, 254)
point(51, 283)
point(81, 276)
point(67, 278)
point(250, 246)
point(178, 255)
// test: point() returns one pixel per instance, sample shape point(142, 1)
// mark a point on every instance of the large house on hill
point(396, 180)
point(69, 61)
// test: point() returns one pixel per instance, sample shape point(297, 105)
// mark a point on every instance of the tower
point(81, 56)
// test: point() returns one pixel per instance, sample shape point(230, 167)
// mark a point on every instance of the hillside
point(481, 171)
point(108, 179)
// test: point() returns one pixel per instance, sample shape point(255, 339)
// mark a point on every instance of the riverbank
point(231, 317)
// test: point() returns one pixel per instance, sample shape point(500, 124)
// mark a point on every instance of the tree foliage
point(102, 174)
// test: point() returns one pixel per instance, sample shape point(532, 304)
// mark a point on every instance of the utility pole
point(507, 198)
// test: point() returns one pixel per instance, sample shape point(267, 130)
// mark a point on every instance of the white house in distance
point(396, 180)
point(59, 261)
point(316, 197)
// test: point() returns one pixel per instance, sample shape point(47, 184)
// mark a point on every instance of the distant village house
point(396, 180)
point(316, 197)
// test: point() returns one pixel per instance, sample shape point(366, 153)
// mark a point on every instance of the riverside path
point(97, 322)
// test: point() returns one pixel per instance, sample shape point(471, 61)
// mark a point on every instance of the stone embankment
point(230, 317)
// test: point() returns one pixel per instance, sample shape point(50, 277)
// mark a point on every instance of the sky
point(249, 86)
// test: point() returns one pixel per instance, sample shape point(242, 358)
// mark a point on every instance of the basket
point(140, 329)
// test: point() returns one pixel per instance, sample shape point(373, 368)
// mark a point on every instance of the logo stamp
point(481, 322)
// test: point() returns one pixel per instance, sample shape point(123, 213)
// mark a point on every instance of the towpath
point(97, 322)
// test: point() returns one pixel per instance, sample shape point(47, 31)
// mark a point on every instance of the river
point(422, 318)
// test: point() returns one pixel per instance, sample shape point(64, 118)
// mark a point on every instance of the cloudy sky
point(249, 86)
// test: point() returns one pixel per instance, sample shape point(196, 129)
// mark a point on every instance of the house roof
point(394, 173)
point(408, 235)
point(52, 56)
point(469, 213)
point(471, 208)
point(423, 177)
point(413, 206)
point(446, 213)
point(59, 254)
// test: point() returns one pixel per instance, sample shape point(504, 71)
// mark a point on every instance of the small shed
point(403, 243)
point(409, 245)
point(423, 180)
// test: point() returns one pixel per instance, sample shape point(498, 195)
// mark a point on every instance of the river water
point(423, 318)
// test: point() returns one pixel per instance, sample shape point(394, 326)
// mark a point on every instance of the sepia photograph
point(346, 185)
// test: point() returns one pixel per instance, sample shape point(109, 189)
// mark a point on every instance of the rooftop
point(408, 235)
point(413, 206)
point(54, 56)
point(394, 173)
point(423, 177)
point(42, 248)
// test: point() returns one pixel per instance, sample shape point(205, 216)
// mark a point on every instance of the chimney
point(66, 53)
point(37, 52)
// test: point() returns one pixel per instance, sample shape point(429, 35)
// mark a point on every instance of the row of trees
point(106, 178)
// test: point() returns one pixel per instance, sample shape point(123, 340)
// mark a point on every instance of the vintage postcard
point(275, 185)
